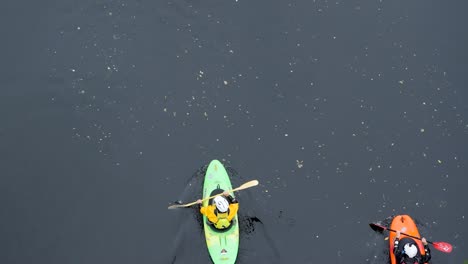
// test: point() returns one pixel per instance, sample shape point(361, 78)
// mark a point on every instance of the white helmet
point(411, 250)
point(221, 204)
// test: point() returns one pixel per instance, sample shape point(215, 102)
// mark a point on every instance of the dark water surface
point(347, 112)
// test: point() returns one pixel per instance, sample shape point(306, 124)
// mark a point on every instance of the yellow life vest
point(223, 221)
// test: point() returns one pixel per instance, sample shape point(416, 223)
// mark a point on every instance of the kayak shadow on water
point(255, 220)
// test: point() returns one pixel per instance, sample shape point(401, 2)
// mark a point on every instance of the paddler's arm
point(208, 211)
point(233, 208)
point(233, 205)
point(396, 243)
point(229, 197)
point(427, 255)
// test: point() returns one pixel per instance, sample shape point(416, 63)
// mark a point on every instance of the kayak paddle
point(242, 187)
point(441, 246)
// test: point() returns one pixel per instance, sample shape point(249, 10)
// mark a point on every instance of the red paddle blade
point(442, 246)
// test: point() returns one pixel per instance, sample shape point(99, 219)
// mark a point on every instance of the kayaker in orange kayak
point(406, 250)
point(221, 212)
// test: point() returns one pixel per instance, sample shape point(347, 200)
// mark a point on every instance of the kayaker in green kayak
point(221, 212)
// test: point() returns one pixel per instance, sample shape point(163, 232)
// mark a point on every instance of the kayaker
point(406, 250)
point(222, 211)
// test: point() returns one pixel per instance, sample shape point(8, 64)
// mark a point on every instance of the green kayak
point(223, 245)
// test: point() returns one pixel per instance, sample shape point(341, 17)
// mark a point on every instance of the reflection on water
point(256, 219)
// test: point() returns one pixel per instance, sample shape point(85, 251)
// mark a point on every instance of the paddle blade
point(248, 185)
point(174, 206)
point(245, 185)
point(442, 246)
point(377, 228)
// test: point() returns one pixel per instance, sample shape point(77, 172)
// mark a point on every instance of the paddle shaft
point(442, 246)
point(242, 187)
point(389, 229)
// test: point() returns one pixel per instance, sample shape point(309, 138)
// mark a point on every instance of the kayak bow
point(404, 224)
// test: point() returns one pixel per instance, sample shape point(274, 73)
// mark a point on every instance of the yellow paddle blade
point(246, 185)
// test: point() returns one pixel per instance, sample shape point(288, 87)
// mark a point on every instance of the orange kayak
point(404, 224)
